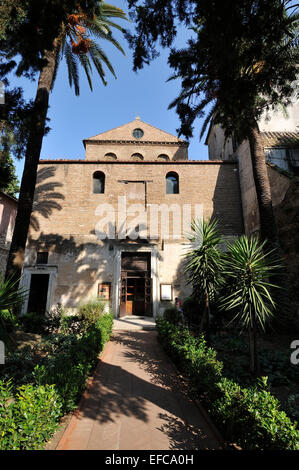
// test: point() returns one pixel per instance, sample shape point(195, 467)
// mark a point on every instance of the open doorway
point(136, 284)
point(38, 294)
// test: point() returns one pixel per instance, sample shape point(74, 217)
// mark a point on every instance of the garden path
point(137, 401)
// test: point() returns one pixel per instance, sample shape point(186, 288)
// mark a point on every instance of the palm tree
point(247, 269)
point(203, 265)
point(238, 77)
point(77, 43)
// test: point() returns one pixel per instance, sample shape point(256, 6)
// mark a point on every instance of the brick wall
point(65, 216)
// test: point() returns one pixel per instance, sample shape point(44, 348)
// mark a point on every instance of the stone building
point(8, 212)
point(280, 138)
point(279, 131)
point(114, 225)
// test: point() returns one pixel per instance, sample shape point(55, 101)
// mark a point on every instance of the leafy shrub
point(71, 359)
point(252, 417)
point(71, 324)
point(28, 418)
point(19, 365)
point(90, 312)
point(249, 416)
point(276, 365)
point(191, 311)
point(8, 320)
point(8, 323)
point(33, 323)
point(53, 319)
point(292, 406)
point(55, 374)
point(172, 315)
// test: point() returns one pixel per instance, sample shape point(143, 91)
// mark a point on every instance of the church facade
point(115, 224)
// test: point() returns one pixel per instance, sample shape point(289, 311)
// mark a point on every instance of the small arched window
point(110, 156)
point(137, 157)
point(98, 182)
point(172, 183)
point(163, 157)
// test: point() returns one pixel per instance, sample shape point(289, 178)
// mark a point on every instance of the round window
point(138, 133)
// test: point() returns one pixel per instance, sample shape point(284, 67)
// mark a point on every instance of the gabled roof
point(124, 133)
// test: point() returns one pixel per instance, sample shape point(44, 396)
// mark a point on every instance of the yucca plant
point(11, 298)
point(203, 265)
point(248, 269)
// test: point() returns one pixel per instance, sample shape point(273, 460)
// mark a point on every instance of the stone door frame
point(117, 276)
point(26, 281)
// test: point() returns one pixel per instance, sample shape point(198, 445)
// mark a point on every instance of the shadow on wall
point(46, 197)
point(81, 264)
point(287, 219)
point(227, 204)
point(227, 210)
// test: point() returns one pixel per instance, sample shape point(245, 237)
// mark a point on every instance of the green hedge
point(250, 417)
point(29, 417)
point(30, 413)
point(73, 361)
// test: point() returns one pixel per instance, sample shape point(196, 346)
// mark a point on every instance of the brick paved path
point(137, 402)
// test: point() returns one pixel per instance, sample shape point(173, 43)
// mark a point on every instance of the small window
point(172, 183)
point(163, 157)
point(137, 157)
point(42, 257)
point(138, 133)
point(110, 156)
point(98, 182)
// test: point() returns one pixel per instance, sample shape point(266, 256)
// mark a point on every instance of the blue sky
point(145, 94)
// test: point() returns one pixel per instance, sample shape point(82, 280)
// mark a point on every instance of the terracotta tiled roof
point(280, 139)
point(131, 162)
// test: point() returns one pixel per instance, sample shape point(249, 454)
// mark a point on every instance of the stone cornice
point(135, 142)
point(142, 162)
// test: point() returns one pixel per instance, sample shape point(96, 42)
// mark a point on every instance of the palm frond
point(72, 67)
point(85, 63)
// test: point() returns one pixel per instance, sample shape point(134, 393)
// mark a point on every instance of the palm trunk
point(205, 321)
point(254, 364)
point(268, 228)
point(37, 130)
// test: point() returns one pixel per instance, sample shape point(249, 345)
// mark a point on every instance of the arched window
point(137, 157)
point(98, 182)
point(172, 183)
point(163, 157)
point(110, 156)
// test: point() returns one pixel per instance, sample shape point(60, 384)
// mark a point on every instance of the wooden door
point(123, 295)
point(148, 306)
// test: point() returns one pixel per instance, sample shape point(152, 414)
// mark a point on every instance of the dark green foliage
point(53, 320)
point(55, 374)
point(240, 58)
point(172, 315)
point(192, 311)
point(19, 365)
point(28, 417)
point(9, 183)
point(71, 359)
point(15, 115)
point(10, 294)
point(70, 325)
point(89, 312)
point(251, 417)
point(9, 320)
point(28, 28)
point(33, 322)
